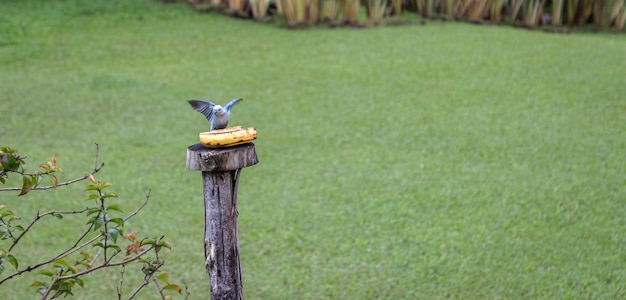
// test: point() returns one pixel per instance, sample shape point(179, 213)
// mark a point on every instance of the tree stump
point(220, 176)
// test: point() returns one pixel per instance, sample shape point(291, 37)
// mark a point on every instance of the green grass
point(418, 162)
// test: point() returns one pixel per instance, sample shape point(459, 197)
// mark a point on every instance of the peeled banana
point(227, 137)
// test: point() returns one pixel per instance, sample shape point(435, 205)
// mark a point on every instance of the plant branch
point(146, 279)
point(119, 289)
point(158, 287)
point(77, 246)
point(104, 264)
point(39, 188)
point(136, 211)
point(59, 256)
point(38, 217)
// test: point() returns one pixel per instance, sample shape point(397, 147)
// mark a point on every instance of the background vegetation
point(550, 14)
point(437, 161)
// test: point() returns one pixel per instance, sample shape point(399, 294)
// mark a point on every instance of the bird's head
point(218, 110)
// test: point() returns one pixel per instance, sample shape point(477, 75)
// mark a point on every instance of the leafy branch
point(105, 228)
point(11, 162)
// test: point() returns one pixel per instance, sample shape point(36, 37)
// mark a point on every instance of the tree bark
point(220, 177)
point(221, 244)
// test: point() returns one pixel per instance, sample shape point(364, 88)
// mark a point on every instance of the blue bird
point(216, 114)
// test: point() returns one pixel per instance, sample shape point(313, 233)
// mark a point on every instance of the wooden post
point(220, 176)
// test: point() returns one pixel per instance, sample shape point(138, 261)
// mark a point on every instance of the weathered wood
point(201, 158)
point(221, 244)
point(220, 177)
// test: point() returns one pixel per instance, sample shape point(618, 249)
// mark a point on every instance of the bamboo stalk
point(621, 17)
point(586, 8)
point(557, 12)
point(476, 9)
point(350, 11)
point(516, 6)
point(259, 8)
point(532, 11)
point(448, 9)
point(330, 10)
point(236, 5)
point(376, 10)
point(571, 9)
point(289, 11)
point(496, 11)
point(312, 10)
point(397, 7)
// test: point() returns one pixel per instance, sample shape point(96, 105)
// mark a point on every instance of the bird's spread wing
point(232, 102)
point(204, 107)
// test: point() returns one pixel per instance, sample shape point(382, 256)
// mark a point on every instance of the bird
point(216, 114)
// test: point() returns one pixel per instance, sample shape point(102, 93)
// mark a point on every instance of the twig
point(40, 188)
point(62, 255)
point(119, 289)
point(158, 287)
point(38, 217)
point(75, 247)
point(106, 230)
point(146, 280)
point(103, 265)
point(96, 169)
point(95, 257)
point(136, 211)
point(187, 292)
point(95, 166)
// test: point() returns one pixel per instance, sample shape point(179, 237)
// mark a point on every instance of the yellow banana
point(227, 137)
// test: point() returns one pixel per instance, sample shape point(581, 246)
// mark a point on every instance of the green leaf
point(97, 223)
point(91, 187)
point(12, 163)
point(118, 221)
point(6, 213)
point(39, 283)
point(73, 269)
point(85, 255)
point(114, 207)
point(165, 244)
point(109, 195)
point(93, 210)
point(62, 262)
point(116, 247)
point(12, 260)
point(147, 242)
point(27, 185)
point(84, 264)
point(80, 282)
point(147, 269)
point(46, 272)
point(164, 277)
point(113, 234)
point(105, 185)
point(66, 288)
point(36, 180)
point(174, 287)
point(92, 197)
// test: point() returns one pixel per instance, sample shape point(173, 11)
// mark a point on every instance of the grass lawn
point(416, 162)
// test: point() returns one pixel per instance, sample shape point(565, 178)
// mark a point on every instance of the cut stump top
point(201, 158)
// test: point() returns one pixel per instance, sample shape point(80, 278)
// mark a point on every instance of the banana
point(227, 137)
